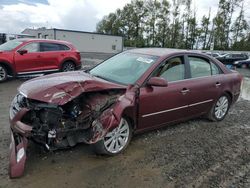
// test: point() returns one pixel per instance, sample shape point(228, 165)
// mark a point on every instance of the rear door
point(50, 55)
point(204, 85)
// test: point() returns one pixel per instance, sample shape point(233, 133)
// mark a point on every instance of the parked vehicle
point(229, 59)
point(213, 54)
point(35, 56)
point(134, 91)
point(242, 63)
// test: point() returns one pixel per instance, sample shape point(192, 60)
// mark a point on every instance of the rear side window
point(63, 47)
point(215, 69)
point(199, 67)
point(47, 47)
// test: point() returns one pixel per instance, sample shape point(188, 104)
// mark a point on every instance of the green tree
point(205, 22)
point(153, 9)
point(174, 24)
point(163, 34)
point(175, 31)
point(239, 29)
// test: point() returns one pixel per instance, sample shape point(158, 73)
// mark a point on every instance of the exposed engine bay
point(80, 120)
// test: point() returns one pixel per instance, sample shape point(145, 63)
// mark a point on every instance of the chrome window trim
point(195, 78)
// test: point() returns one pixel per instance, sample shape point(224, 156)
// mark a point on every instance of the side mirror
point(157, 81)
point(21, 52)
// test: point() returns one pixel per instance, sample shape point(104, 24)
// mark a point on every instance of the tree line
point(174, 24)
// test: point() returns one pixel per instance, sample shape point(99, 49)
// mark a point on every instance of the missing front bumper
point(18, 156)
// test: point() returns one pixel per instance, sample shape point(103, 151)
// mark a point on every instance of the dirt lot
point(197, 153)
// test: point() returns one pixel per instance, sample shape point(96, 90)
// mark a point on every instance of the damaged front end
point(84, 119)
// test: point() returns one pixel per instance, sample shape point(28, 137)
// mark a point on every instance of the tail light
point(241, 81)
point(78, 55)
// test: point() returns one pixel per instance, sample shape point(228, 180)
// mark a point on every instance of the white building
point(87, 42)
point(4, 37)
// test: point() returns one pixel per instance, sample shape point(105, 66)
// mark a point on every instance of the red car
point(35, 56)
point(131, 92)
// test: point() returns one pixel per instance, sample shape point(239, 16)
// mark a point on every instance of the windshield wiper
point(109, 80)
point(98, 76)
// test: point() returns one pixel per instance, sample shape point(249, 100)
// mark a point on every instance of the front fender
point(111, 118)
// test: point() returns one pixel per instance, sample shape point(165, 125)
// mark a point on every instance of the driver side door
point(30, 61)
point(161, 105)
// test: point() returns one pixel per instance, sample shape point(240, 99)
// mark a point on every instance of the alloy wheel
point(68, 67)
point(221, 107)
point(118, 138)
point(3, 73)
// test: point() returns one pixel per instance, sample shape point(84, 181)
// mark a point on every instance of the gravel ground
point(197, 153)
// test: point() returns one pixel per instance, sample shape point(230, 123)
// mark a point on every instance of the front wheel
point(3, 73)
point(68, 66)
point(116, 140)
point(220, 108)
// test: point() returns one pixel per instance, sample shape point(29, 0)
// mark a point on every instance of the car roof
point(41, 40)
point(161, 51)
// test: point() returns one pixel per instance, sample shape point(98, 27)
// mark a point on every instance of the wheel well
point(131, 121)
point(69, 60)
point(230, 95)
point(130, 115)
point(8, 68)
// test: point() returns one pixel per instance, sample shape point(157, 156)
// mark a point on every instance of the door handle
point(39, 56)
point(218, 84)
point(184, 91)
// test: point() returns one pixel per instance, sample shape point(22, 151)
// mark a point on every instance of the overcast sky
point(16, 15)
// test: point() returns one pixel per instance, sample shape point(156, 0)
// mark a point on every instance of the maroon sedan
point(131, 92)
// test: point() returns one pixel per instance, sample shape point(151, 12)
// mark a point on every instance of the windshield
point(125, 68)
point(10, 45)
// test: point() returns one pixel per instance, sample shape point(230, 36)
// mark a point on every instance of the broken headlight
point(17, 104)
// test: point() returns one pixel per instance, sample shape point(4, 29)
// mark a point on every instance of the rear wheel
point(68, 66)
point(116, 140)
point(220, 108)
point(244, 66)
point(3, 73)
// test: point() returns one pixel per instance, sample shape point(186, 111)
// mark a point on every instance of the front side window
point(172, 70)
point(32, 47)
point(199, 67)
point(125, 68)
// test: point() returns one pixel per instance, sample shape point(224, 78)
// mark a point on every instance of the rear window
point(239, 55)
point(47, 47)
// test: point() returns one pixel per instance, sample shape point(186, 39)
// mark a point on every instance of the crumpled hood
point(61, 88)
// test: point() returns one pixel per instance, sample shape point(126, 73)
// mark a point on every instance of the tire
point(116, 140)
point(3, 73)
point(220, 108)
point(244, 66)
point(239, 66)
point(68, 66)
